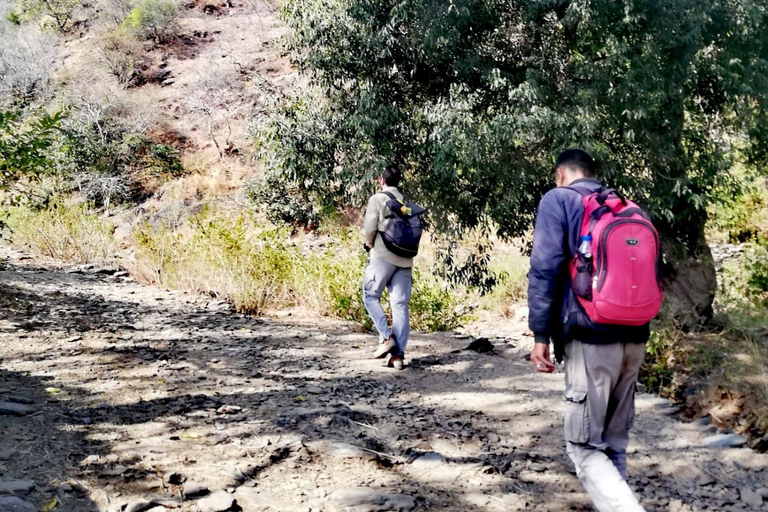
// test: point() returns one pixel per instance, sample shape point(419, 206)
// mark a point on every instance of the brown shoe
point(387, 346)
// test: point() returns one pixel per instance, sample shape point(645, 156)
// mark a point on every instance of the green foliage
point(283, 201)
point(739, 214)
point(25, 146)
point(107, 155)
point(743, 291)
point(260, 269)
point(71, 233)
point(13, 18)
point(58, 13)
point(476, 97)
point(153, 19)
point(658, 369)
point(756, 263)
point(434, 307)
point(511, 290)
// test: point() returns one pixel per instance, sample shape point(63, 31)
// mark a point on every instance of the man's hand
point(540, 358)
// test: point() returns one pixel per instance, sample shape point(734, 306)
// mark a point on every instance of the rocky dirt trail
point(121, 397)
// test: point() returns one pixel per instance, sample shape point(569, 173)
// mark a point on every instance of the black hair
point(577, 159)
point(392, 175)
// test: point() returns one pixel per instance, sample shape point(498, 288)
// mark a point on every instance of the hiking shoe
point(385, 347)
point(397, 362)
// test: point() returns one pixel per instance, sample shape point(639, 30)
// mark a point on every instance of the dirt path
point(136, 396)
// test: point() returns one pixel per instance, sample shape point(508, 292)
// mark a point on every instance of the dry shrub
point(69, 233)
point(234, 257)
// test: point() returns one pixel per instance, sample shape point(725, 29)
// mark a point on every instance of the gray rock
point(90, 460)
point(11, 409)
point(14, 504)
point(361, 499)
point(430, 360)
point(21, 400)
point(345, 451)
point(16, 487)
point(751, 498)
point(428, 460)
point(493, 438)
point(477, 499)
point(7, 454)
point(514, 502)
point(675, 505)
point(174, 478)
point(194, 489)
point(702, 422)
point(219, 501)
point(763, 491)
point(314, 390)
point(724, 441)
point(139, 506)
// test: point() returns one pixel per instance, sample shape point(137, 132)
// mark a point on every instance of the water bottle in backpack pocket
point(582, 280)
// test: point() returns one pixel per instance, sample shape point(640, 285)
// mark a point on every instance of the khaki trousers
point(600, 408)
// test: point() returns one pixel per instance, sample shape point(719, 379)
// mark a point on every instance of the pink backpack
point(615, 271)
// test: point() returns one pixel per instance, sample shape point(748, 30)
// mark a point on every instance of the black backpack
point(403, 231)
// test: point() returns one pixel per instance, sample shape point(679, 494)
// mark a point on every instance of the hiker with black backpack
point(593, 290)
point(392, 233)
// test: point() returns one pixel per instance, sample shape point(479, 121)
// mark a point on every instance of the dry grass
point(67, 233)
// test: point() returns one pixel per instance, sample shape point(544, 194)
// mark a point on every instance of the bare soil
point(136, 392)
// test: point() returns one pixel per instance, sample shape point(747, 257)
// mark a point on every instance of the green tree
point(477, 97)
point(59, 12)
point(25, 147)
point(153, 19)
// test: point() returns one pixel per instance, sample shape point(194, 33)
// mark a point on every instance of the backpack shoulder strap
point(389, 194)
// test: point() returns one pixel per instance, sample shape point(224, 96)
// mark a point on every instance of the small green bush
point(56, 13)
point(658, 369)
point(13, 18)
point(283, 202)
point(756, 263)
point(153, 19)
point(740, 213)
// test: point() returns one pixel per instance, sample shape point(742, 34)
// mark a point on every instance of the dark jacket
point(554, 311)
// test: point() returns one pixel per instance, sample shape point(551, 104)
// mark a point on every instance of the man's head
point(391, 176)
point(571, 165)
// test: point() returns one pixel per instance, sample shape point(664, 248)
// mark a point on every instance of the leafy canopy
point(25, 148)
point(477, 97)
point(153, 19)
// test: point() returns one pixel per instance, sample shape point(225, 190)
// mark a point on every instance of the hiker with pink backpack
point(593, 290)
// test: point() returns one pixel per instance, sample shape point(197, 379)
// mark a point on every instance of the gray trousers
point(380, 274)
point(599, 411)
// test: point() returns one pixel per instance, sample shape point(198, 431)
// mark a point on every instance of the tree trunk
point(689, 279)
